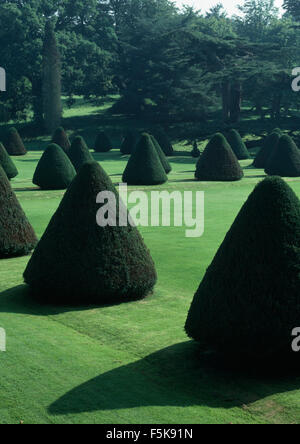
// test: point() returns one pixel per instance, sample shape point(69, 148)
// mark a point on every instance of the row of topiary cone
point(56, 169)
point(103, 144)
point(279, 156)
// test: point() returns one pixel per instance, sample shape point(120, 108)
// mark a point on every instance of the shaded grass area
point(130, 363)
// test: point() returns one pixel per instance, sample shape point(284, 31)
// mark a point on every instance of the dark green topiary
point(14, 144)
point(218, 162)
point(102, 144)
point(54, 170)
point(237, 145)
point(269, 146)
point(164, 161)
point(79, 262)
point(7, 164)
point(285, 160)
point(129, 143)
point(61, 139)
point(248, 302)
point(195, 151)
point(144, 166)
point(79, 153)
point(163, 140)
point(17, 237)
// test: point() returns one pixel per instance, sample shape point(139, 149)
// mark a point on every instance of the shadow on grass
point(180, 375)
point(18, 300)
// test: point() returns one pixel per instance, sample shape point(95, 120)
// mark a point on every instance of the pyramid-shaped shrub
point(163, 140)
point(128, 143)
point(14, 144)
point(17, 237)
point(79, 262)
point(237, 145)
point(248, 302)
point(164, 161)
point(79, 153)
point(54, 170)
point(269, 146)
point(61, 139)
point(102, 143)
point(195, 151)
point(7, 163)
point(218, 162)
point(144, 166)
point(285, 160)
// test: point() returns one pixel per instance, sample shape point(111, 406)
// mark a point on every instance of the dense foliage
point(14, 144)
point(17, 237)
point(61, 139)
point(269, 146)
point(248, 302)
point(7, 163)
point(218, 162)
point(144, 166)
point(78, 261)
point(102, 143)
point(54, 170)
point(285, 159)
point(237, 145)
point(79, 153)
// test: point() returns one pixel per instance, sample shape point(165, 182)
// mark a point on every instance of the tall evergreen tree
point(51, 80)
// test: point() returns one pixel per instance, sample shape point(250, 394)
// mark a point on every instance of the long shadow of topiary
point(18, 300)
point(179, 375)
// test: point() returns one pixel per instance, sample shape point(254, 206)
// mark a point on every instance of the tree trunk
point(236, 102)
point(226, 100)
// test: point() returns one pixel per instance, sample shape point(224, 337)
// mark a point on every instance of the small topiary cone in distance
point(17, 237)
point(14, 144)
point(285, 160)
point(237, 145)
point(103, 143)
point(144, 166)
point(269, 146)
point(163, 140)
point(164, 161)
point(7, 163)
point(79, 262)
point(248, 301)
point(195, 151)
point(54, 170)
point(61, 139)
point(218, 162)
point(128, 144)
point(79, 153)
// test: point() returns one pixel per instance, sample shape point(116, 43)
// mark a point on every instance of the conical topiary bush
point(164, 161)
point(78, 261)
point(14, 144)
point(79, 153)
point(195, 151)
point(17, 237)
point(269, 146)
point(54, 170)
point(163, 140)
point(285, 160)
point(237, 145)
point(248, 302)
point(144, 166)
point(128, 143)
point(61, 139)
point(218, 162)
point(102, 143)
point(7, 163)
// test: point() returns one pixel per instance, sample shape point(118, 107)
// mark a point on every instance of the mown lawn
point(130, 363)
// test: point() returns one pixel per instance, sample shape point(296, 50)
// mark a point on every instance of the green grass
point(129, 363)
